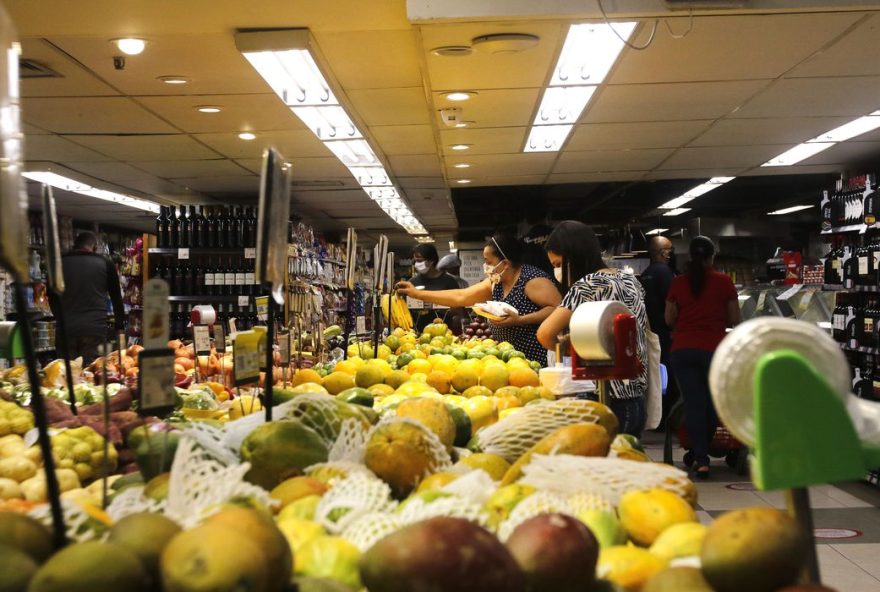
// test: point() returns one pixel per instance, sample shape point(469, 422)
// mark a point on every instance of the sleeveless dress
point(523, 337)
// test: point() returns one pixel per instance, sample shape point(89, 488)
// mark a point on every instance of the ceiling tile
point(74, 80)
point(233, 183)
point(415, 165)
point(148, 148)
point(815, 97)
point(560, 178)
point(326, 167)
point(494, 108)
point(92, 115)
point(506, 140)
point(850, 153)
point(291, 143)
point(178, 169)
point(405, 139)
point(496, 165)
point(697, 174)
point(614, 136)
point(723, 156)
point(251, 112)
point(483, 70)
point(114, 172)
point(610, 160)
point(513, 180)
point(801, 169)
point(669, 102)
point(390, 106)
point(745, 132)
point(32, 130)
point(854, 55)
point(371, 59)
point(422, 183)
point(58, 149)
point(729, 48)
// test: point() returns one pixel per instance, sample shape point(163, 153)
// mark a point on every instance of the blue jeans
point(631, 413)
point(691, 369)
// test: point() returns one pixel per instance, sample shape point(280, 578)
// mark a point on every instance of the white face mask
point(557, 273)
point(489, 270)
point(421, 266)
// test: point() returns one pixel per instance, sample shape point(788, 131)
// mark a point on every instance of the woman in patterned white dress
point(574, 251)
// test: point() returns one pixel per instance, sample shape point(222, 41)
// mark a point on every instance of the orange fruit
point(306, 375)
point(494, 377)
point(523, 377)
point(419, 366)
point(440, 380)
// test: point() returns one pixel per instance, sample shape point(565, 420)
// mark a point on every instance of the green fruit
point(126, 481)
point(16, 569)
point(91, 567)
point(145, 535)
point(155, 454)
point(25, 534)
point(332, 331)
point(605, 527)
point(330, 557)
point(476, 354)
point(281, 449)
point(677, 579)
point(462, 425)
point(459, 353)
point(283, 395)
point(357, 396)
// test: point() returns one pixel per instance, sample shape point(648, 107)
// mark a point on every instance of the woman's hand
point(405, 288)
point(510, 320)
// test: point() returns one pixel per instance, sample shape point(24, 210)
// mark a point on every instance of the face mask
point(421, 266)
point(557, 273)
point(489, 270)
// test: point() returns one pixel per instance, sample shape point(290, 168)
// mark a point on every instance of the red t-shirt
point(702, 322)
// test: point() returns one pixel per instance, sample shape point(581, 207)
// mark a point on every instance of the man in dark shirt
point(656, 280)
point(90, 279)
point(428, 277)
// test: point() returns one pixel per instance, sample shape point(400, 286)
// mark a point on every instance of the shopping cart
point(723, 444)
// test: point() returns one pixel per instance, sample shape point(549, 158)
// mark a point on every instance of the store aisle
point(847, 519)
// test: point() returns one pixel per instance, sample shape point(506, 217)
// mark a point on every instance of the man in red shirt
point(700, 306)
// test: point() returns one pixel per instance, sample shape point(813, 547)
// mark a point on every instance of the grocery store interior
point(407, 123)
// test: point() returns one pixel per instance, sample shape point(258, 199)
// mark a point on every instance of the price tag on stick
point(246, 358)
point(284, 348)
point(219, 338)
point(156, 381)
point(201, 340)
point(262, 307)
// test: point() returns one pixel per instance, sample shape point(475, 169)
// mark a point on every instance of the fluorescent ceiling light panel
point(656, 231)
point(798, 153)
point(547, 138)
point(676, 203)
point(424, 239)
point(377, 193)
point(294, 76)
point(589, 52)
point(854, 128)
point(788, 210)
point(370, 176)
point(73, 186)
point(353, 152)
point(677, 212)
point(563, 105)
point(328, 122)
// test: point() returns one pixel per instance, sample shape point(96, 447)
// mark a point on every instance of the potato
point(10, 489)
point(17, 468)
point(12, 448)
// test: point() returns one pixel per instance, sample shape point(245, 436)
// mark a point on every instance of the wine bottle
point(229, 278)
point(173, 240)
point(184, 280)
point(191, 228)
point(240, 274)
point(249, 278)
point(198, 278)
point(183, 228)
point(201, 229)
point(220, 238)
point(231, 229)
point(208, 286)
point(160, 226)
point(210, 228)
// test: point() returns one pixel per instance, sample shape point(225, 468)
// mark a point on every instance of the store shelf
point(862, 350)
point(204, 298)
point(850, 228)
point(195, 251)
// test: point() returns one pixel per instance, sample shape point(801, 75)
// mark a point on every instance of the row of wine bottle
point(232, 277)
point(849, 265)
point(206, 227)
point(245, 318)
point(858, 202)
point(855, 323)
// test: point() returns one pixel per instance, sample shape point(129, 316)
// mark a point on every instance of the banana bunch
point(400, 315)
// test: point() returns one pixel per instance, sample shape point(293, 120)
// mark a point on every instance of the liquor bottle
point(198, 278)
point(838, 213)
point(238, 226)
point(854, 325)
point(832, 267)
point(864, 263)
point(173, 239)
point(240, 274)
point(161, 272)
point(249, 277)
point(160, 227)
point(201, 229)
point(838, 319)
point(871, 204)
point(184, 279)
point(229, 279)
point(231, 228)
point(253, 321)
point(182, 228)
point(825, 211)
point(208, 285)
point(871, 318)
point(191, 232)
point(848, 267)
point(220, 237)
point(210, 228)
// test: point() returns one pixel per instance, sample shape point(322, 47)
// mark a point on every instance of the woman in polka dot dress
point(525, 287)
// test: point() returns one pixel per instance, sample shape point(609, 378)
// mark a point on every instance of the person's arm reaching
point(115, 292)
point(553, 325)
point(451, 298)
point(543, 293)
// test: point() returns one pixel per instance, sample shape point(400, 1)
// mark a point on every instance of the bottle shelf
point(173, 251)
point(861, 350)
point(205, 298)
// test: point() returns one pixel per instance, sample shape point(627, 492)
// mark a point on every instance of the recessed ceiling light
point(462, 124)
point(463, 181)
point(505, 43)
point(130, 45)
point(461, 146)
point(459, 95)
point(452, 51)
point(462, 165)
point(247, 136)
point(208, 109)
point(173, 79)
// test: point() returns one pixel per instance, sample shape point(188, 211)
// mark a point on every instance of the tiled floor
point(846, 564)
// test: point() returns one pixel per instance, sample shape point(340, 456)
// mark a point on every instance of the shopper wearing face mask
point(526, 288)
point(576, 256)
point(428, 278)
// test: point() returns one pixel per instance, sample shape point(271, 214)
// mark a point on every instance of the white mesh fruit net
point(609, 478)
point(78, 525)
point(350, 445)
point(352, 497)
point(582, 502)
point(133, 501)
point(428, 443)
point(212, 439)
point(199, 484)
point(541, 502)
point(516, 434)
point(336, 470)
point(323, 413)
point(418, 509)
point(367, 529)
point(476, 486)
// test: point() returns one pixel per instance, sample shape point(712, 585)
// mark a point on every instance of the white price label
point(250, 253)
point(790, 292)
point(156, 379)
point(262, 307)
point(201, 340)
point(243, 301)
point(219, 338)
point(247, 361)
point(414, 304)
point(183, 253)
point(284, 348)
point(361, 325)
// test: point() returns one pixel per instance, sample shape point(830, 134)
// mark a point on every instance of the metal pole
point(270, 358)
point(797, 501)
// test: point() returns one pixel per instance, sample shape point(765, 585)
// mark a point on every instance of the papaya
point(357, 396)
point(281, 449)
point(462, 425)
point(580, 439)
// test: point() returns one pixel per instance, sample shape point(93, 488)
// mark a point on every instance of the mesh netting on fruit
point(351, 497)
point(417, 509)
point(542, 502)
point(368, 529)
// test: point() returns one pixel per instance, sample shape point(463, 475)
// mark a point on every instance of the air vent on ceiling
point(33, 69)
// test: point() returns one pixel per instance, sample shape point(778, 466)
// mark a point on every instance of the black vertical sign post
point(55, 278)
point(271, 261)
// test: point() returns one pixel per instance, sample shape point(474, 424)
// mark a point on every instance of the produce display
point(428, 463)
